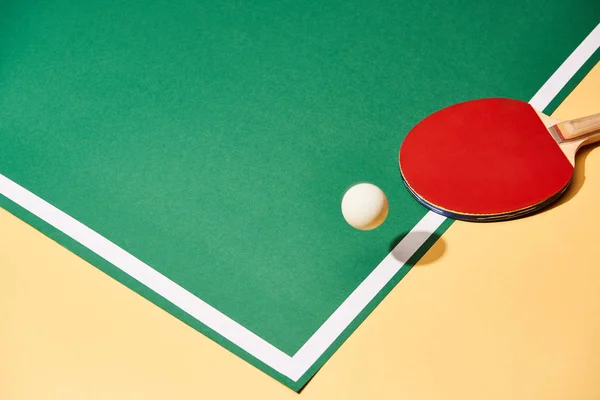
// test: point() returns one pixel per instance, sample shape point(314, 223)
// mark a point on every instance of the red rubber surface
point(490, 156)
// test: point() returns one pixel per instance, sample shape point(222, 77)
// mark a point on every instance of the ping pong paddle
point(492, 159)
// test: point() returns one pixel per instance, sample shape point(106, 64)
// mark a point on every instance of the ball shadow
point(429, 248)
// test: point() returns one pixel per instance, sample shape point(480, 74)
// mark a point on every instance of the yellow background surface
point(493, 311)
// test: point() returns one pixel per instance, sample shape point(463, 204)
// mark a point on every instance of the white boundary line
point(149, 277)
point(365, 292)
point(292, 367)
point(565, 72)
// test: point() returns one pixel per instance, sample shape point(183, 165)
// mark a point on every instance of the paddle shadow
point(432, 247)
point(578, 177)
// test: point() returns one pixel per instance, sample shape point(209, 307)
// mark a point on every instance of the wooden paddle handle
point(579, 128)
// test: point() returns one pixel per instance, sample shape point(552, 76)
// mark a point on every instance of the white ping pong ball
point(364, 206)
